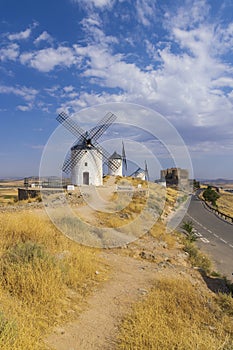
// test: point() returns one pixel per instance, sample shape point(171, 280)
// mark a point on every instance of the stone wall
point(26, 193)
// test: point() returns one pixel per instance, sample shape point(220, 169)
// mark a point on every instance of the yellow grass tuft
point(225, 203)
point(175, 315)
point(159, 232)
point(8, 196)
point(43, 277)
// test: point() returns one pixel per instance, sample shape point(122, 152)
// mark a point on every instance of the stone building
point(175, 177)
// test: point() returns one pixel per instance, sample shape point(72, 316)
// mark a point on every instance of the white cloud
point(184, 77)
point(25, 108)
point(145, 11)
point(92, 26)
point(10, 52)
point(185, 86)
point(28, 94)
point(223, 82)
point(21, 35)
point(46, 60)
point(86, 99)
point(45, 36)
point(224, 35)
point(69, 88)
point(189, 15)
point(94, 3)
point(112, 71)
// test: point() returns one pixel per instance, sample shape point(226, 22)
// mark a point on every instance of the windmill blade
point(87, 138)
point(135, 172)
point(124, 156)
point(70, 125)
point(101, 127)
point(71, 162)
point(146, 172)
point(104, 154)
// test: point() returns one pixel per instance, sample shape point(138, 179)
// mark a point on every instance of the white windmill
point(142, 174)
point(85, 162)
point(119, 161)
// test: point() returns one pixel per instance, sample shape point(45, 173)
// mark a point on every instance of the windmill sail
point(146, 172)
point(86, 140)
point(124, 156)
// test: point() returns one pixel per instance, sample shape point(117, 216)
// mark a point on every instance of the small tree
point(211, 196)
point(189, 230)
point(196, 184)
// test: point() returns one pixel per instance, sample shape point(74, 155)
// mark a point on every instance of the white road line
point(204, 240)
point(198, 234)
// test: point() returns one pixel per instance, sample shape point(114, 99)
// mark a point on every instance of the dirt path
point(96, 327)
point(130, 279)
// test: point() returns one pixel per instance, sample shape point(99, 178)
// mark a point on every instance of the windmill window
point(85, 163)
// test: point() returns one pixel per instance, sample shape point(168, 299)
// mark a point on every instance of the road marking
point(198, 234)
point(204, 240)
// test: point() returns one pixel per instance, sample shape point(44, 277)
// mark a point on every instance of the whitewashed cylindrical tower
point(116, 159)
point(139, 174)
point(88, 170)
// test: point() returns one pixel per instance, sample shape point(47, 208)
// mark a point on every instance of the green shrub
point(189, 231)
point(211, 196)
point(26, 252)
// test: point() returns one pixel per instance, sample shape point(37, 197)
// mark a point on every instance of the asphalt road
point(215, 236)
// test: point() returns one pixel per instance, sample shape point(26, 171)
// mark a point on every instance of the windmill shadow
point(217, 284)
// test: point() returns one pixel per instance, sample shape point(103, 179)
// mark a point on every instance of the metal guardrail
point(222, 215)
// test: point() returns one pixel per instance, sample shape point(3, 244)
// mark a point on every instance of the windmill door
point(86, 178)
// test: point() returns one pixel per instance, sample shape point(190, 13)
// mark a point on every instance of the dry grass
point(173, 199)
point(127, 205)
point(225, 203)
point(43, 278)
point(175, 315)
point(159, 232)
point(196, 257)
point(142, 209)
point(8, 195)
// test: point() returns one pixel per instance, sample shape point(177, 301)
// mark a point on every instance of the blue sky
point(175, 57)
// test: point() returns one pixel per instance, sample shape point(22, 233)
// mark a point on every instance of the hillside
point(58, 294)
point(225, 203)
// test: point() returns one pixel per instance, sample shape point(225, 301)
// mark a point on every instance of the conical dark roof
point(115, 155)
